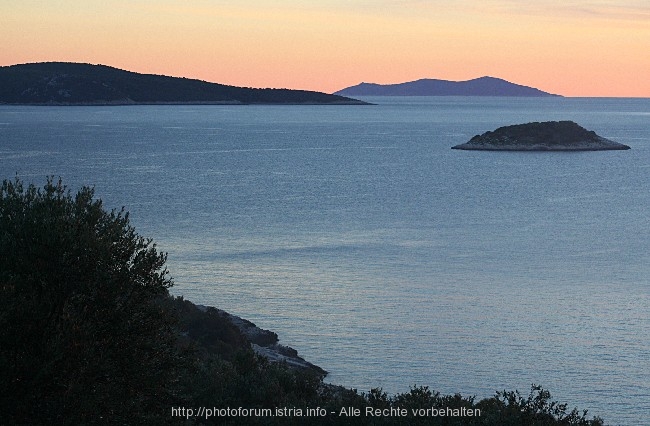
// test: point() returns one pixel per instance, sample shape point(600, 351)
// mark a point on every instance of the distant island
point(65, 83)
point(483, 86)
point(546, 136)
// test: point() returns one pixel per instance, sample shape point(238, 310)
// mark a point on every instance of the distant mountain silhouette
point(64, 83)
point(483, 86)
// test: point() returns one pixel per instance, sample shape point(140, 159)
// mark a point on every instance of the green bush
point(511, 408)
point(82, 335)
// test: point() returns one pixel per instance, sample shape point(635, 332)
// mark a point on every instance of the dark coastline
point(65, 83)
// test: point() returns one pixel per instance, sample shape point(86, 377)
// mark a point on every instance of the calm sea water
point(382, 255)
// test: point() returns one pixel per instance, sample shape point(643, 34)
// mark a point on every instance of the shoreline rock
point(544, 136)
point(265, 343)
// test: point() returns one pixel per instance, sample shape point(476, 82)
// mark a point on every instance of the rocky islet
point(541, 136)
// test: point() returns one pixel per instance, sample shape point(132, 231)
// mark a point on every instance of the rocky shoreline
point(265, 342)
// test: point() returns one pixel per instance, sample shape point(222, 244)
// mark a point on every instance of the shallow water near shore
point(375, 250)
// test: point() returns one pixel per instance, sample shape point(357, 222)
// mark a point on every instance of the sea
point(378, 252)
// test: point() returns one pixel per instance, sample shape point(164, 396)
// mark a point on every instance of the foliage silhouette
point(81, 329)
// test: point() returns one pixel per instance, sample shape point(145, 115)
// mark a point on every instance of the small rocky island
point(545, 136)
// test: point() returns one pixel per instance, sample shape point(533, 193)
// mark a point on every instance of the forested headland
point(68, 83)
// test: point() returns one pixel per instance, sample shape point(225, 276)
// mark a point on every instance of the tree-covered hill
point(64, 83)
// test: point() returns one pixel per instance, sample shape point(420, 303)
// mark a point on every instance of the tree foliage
point(82, 334)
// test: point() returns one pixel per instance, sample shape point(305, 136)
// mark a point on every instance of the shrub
point(82, 336)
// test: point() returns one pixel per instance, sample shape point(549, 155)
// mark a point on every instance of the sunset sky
point(568, 47)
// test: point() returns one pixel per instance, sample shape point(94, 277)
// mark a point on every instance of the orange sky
point(568, 47)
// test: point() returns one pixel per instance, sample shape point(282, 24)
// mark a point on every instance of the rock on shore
point(545, 136)
point(265, 343)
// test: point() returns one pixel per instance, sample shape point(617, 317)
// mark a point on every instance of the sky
point(568, 47)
